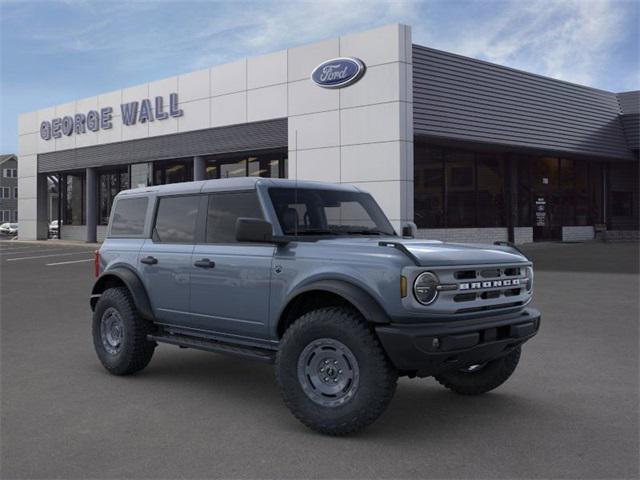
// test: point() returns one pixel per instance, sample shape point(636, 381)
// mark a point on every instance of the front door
point(165, 259)
point(547, 225)
point(230, 282)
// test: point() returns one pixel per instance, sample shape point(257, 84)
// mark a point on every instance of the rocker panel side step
point(262, 355)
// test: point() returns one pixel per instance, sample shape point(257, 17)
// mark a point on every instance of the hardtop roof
point(232, 184)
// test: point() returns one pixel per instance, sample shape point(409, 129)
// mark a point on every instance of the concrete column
point(199, 168)
point(91, 204)
point(42, 213)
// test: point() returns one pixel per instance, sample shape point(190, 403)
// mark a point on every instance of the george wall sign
point(94, 120)
point(339, 72)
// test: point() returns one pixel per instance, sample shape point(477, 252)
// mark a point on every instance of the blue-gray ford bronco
point(312, 277)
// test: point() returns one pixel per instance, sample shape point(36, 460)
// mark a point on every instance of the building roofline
point(518, 70)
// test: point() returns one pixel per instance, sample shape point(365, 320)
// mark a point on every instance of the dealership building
point(464, 149)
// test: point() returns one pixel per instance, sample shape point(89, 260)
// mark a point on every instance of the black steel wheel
point(332, 372)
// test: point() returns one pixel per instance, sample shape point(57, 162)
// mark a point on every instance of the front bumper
point(430, 348)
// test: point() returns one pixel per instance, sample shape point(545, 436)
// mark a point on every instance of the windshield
point(307, 211)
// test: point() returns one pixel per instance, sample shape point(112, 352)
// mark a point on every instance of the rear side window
point(176, 219)
point(224, 209)
point(128, 217)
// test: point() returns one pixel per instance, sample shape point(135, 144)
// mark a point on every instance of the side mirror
point(253, 230)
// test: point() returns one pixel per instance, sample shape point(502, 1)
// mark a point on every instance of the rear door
point(165, 258)
point(230, 281)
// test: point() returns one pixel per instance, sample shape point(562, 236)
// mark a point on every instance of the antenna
point(295, 190)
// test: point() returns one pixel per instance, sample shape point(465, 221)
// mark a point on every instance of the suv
point(312, 277)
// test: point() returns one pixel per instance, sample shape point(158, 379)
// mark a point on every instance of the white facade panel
point(306, 97)
point(315, 130)
point(164, 127)
point(371, 124)
point(266, 103)
point(197, 115)
point(111, 99)
point(372, 162)
point(113, 134)
point(318, 164)
point(194, 85)
point(161, 88)
point(383, 84)
point(28, 144)
point(303, 59)
point(130, 132)
point(229, 78)
point(267, 70)
point(229, 109)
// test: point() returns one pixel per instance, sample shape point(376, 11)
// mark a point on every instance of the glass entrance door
point(546, 201)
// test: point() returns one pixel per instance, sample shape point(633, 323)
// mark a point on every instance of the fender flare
point(368, 306)
point(132, 282)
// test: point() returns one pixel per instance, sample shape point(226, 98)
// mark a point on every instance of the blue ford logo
point(338, 73)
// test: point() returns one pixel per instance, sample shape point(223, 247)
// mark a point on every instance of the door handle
point(149, 260)
point(204, 263)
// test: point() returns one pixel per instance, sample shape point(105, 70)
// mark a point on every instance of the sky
point(55, 51)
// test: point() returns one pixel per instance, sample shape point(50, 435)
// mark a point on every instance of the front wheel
point(332, 372)
point(478, 379)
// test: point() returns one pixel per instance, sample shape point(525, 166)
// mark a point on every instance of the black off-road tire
point(134, 351)
point(377, 378)
point(487, 378)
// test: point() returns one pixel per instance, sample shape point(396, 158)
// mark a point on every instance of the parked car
point(312, 277)
point(9, 229)
point(54, 229)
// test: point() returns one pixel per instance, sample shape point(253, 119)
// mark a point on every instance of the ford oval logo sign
point(338, 73)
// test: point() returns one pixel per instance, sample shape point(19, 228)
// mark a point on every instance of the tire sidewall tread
point(378, 378)
point(136, 351)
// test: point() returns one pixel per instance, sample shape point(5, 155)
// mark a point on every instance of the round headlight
point(425, 288)
point(529, 274)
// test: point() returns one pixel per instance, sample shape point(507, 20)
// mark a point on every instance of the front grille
point(481, 288)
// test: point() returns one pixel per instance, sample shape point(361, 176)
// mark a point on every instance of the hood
point(431, 253)
point(434, 253)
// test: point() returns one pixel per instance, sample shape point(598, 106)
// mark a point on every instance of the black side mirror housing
point(254, 230)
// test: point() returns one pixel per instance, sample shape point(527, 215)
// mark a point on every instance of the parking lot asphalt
point(569, 411)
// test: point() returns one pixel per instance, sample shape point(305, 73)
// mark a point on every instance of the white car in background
point(9, 229)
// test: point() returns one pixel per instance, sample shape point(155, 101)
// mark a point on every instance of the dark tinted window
point(128, 216)
point(224, 210)
point(308, 211)
point(176, 219)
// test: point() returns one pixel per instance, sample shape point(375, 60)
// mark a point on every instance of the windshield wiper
point(371, 231)
point(315, 231)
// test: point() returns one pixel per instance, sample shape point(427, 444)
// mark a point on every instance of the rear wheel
point(120, 333)
point(481, 378)
point(332, 372)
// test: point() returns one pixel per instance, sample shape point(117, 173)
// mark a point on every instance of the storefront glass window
point(460, 189)
point(73, 192)
point(109, 185)
point(264, 164)
point(173, 171)
point(429, 187)
point(491, 199)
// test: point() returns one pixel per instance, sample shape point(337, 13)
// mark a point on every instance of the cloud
point(569, 40)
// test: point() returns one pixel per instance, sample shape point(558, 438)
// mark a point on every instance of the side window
point(128, 217)
point(176, 219)
point(224, 209)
